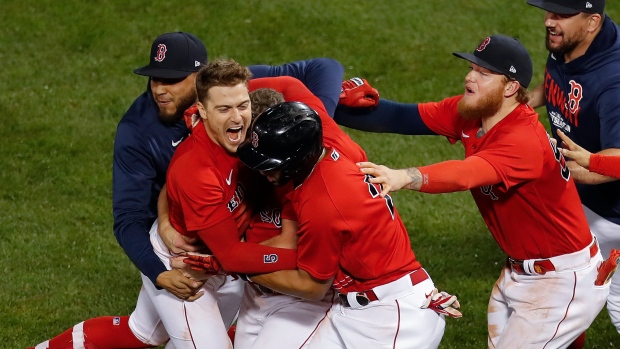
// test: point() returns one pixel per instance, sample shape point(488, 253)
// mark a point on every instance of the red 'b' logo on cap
point(483, 44)
point(161, 52)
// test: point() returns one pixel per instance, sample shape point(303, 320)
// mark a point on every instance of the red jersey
point(347, 230)
point(535, 211)
point(203, 185)
point(267, 222)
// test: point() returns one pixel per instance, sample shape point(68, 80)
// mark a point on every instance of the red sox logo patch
point(254, 139)
point(483, 44)
point(161, 52)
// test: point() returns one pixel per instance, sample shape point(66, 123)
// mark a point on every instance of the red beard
point(486, 106)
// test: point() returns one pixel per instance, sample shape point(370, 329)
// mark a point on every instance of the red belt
point(363, 298)
point(542, 266)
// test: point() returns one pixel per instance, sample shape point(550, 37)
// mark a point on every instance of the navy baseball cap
point(174, 56)
point(504, 55)
point(569, 7)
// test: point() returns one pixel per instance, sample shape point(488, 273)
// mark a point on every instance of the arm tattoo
point(416, 178)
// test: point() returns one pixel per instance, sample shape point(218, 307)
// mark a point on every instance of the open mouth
point(234, 134)
point(553, 34)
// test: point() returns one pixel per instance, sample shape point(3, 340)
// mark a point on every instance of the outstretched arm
point(442, 177)
point(322, 76)
point(387, 117)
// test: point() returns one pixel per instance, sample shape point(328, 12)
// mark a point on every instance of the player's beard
point(486, 106)
point(184, 103)
point(567, 45)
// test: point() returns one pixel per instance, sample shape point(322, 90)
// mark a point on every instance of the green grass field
point(66, 79)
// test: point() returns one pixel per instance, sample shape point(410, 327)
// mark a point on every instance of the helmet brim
point(255, 160)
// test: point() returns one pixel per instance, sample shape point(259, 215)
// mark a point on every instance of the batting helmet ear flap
point(287, 137)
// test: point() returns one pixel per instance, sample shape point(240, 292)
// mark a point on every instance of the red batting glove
point(607, 269)
point(357, 93)
point(205, 262)
point(191, 117)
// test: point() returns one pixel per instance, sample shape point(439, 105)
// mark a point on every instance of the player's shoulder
point(140, 117)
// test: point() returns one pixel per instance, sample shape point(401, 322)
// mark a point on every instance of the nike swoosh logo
point(229, 179)
point(174, 144)
point(464, 135)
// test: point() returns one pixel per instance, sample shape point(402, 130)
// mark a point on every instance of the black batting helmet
point(287, 137)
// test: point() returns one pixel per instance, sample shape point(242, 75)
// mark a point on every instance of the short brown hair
point(523, 95)
point(264, 98)
point(220, 72)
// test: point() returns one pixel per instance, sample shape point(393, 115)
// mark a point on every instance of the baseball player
point(522, 187)
point(580, 92)
point(146, 138)
point(381, 287)
point(265, 313)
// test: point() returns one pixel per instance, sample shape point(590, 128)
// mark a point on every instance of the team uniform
point(370, 260)
point(159, 314)
point(207, 185)
point(265, 313)
point(535, 217)
point(143, 148)
point(581, 98)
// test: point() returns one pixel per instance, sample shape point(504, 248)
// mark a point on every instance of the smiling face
point(226, 114)
point(565, 32)
point(484, 93)
point(173, 96)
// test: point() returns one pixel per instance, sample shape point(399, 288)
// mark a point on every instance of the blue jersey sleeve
point(134, 184)
point(387, 117)
point(609, 113)
point(322, 76)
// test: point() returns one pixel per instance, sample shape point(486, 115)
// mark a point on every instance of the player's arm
point(287, 237)
point(322, 76)
point(297, 283)
point(537, 97)
point(443, 177)
point(582, 175)
point(605, 165)
point(132, 179)
point(387, 117)
point(245, 257)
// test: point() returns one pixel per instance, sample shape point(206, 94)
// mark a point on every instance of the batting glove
point(607, 269)
point(191, 117)
point(205, 262)
point(357, 93)
point(443, 303)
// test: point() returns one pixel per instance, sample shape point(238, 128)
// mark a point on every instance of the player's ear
point(201, 110)
point(594, 20)
point(511, 87)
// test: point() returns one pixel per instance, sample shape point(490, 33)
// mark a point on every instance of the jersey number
point(564, 171)
point(375, 190)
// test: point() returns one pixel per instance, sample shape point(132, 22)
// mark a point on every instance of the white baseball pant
point(546, 310)
point(395, 320)
point(203, 323)
point(268, 320)
point(608, 236)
